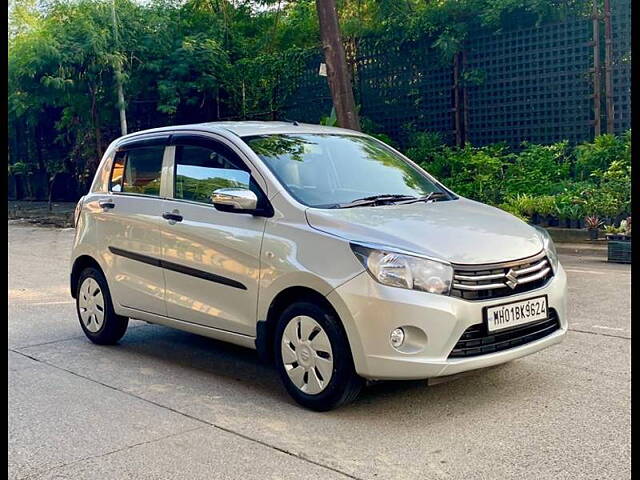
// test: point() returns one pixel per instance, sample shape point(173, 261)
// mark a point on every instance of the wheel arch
point(265, 329)
point(79, 264)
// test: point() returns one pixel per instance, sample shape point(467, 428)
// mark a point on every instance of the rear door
point(211, 258)
point(130, 223)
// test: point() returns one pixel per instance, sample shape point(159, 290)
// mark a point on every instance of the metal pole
point(456, 99)
point(465, 105)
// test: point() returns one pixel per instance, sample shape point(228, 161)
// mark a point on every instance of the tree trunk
point(118, 73)
point(96, 123)
point(37, 130)
point(123, 114)
point(51, 184)
point(337, 71)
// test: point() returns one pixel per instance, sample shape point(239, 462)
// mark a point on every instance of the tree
point(337, 71)
point(190, 61)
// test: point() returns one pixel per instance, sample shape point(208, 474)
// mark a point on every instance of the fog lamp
point(397, 337)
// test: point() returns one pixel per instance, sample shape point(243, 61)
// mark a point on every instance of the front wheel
point(313, 357)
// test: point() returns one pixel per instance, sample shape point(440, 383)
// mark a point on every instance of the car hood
point(460, 231)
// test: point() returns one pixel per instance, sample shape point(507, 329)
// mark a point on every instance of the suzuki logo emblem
point(512, 280)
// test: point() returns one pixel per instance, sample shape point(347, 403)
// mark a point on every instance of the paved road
point(166, 404)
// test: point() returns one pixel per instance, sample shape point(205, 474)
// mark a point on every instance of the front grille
point(476, 340)
point(484, 282)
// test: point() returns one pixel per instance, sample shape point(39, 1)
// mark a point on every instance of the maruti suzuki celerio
point(330, 253)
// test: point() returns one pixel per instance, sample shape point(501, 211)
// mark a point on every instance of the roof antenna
point(294, 122)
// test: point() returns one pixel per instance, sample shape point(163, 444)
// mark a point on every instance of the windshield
point(326, 171)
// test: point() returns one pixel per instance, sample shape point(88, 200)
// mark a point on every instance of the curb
point(589, 250)
point(46, 222)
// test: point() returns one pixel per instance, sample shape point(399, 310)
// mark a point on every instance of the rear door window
point(138, 170)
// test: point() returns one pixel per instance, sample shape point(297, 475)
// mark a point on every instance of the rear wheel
point(95, 311)
point(313, 357)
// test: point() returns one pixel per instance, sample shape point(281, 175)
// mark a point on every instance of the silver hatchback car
point(327, 251)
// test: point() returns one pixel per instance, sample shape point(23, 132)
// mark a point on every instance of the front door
point(211, 259)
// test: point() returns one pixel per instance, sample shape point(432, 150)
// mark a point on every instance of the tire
point(322, 367)
point(97, 318)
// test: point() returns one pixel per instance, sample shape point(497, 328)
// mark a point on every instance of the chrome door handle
point(172, 216)
point(106, 204)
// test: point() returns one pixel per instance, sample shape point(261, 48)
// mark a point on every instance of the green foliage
point(424, 147)
point(369, 127)
point(472, 172)
point(611, 229)
point(537, 180)
point(192, 61)
point(623, 229)
point(473, 77)
point(521, 205)
point(20, 168)
point(544, 205)
point(538, 169)
point(331, 120)
point(597, 156)
point(197, 67)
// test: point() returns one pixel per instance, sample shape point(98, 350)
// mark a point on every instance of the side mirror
point(239, 200)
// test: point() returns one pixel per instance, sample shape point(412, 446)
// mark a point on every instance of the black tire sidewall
point(343, 380)
point(113, 326)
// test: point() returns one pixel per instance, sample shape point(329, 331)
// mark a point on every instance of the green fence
point(621, 26)
point(533, 84)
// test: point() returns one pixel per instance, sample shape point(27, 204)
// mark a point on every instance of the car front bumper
point(370, 311)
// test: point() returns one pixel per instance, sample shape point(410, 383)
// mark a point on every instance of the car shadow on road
point(207, 364)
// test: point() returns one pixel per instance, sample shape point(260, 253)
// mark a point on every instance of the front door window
point(201, 170)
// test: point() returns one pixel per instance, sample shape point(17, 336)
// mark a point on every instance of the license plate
point(516, 313)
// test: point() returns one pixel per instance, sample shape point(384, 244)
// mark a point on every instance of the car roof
point(251, 128)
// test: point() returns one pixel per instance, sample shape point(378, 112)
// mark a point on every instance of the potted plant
point(544, 206)
point(527, 205)
point(619, 242)
point(575, 214)
point(516, 206)
point(593, 224)
point(562, 211)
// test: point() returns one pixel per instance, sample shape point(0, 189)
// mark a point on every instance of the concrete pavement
point(167, 404)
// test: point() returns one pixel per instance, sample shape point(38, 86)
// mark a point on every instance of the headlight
point(405, 271)
point(549, 247)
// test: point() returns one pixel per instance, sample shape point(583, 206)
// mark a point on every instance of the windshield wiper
point(376, 200)
point(433, 196)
